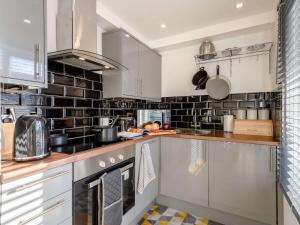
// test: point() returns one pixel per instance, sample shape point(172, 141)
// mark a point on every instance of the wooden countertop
point(12, 170)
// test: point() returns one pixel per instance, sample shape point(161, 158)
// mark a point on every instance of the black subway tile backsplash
point(74, 92)
point(61, 79)
point(73, 102)
point(35, 100)
point(62, 123)
point(53, 113)
point(63, 102)
point(53, 90)
point(10, 99)
point(93, 76)
point(91, 94)
point(74, 112)
point(83, 103)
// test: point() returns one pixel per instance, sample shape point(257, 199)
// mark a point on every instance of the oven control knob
point(102, 164)
point(112, 160)
point(121, 157)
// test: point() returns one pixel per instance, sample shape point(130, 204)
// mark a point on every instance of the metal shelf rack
point(237, 53)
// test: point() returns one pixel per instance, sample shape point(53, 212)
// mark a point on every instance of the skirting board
point(211, 214)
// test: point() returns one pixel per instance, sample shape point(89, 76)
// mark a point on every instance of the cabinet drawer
point(55, 211)
point(36, 188)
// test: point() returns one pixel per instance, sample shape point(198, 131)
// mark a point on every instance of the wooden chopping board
point(162, 132)
point(253, 127)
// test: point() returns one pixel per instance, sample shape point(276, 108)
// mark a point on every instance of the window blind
point(288, 72)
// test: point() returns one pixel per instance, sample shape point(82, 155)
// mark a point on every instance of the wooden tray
point(253, 127)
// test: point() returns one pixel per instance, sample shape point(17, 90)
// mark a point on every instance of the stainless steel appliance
point(127, 122)
point(76, 36)
point(87, 175)
point(160, 116)
point(31, 138)
point(207, 50)
point(106, 134)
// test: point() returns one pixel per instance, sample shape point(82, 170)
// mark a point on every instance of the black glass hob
point(75, 148)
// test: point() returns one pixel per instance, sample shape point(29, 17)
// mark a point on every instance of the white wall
point(248, 75)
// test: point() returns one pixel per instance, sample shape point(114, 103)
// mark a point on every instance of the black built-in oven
point(85, 191)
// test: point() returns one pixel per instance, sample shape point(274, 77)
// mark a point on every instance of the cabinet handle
point(271, 159)
point(141, 87)
point(37, 61)
point(45, 212)
point(137, 87)
point(25, 186)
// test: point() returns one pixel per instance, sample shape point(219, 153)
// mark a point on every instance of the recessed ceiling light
point(239, 5)
point(27, 21)
point(163, 26)
point(127, 35)
point(81, 58)
point(106, 67)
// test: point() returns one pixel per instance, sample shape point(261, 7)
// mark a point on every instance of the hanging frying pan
point(217, 88)
point(200, 79)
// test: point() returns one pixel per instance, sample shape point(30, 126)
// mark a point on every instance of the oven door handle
point(97, 182)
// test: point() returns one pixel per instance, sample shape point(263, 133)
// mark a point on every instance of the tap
point(195, 124)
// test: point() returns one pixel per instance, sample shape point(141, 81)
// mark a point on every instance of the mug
point(263, 114)
point(105, 121)
point(241, 114)
point(252, 114)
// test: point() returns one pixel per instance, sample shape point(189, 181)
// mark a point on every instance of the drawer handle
point(25, 186)
point(45, 212)
point(37, 61)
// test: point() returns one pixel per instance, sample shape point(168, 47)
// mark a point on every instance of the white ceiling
point(146, 16)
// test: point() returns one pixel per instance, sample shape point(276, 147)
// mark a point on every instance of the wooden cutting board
point(253, 127)
point(8, 130)
point(162, 132)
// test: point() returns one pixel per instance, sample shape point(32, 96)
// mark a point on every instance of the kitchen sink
point(192, 131)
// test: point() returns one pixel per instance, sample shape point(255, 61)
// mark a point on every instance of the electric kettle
point(31, 138)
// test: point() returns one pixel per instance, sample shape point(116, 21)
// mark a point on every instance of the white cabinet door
point(26, 198)
point(53, 211)
point(150, 73)
point(151, 191)
point(124, 49)
point(242, 180)
point(22, 42)
point(176, 180)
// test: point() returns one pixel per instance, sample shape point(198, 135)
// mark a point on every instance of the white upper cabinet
point(23, 56)
point(142, 79)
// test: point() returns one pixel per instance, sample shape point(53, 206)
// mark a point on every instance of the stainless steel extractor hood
point(76, 37)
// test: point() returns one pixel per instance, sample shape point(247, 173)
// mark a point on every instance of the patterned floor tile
point(162, 215)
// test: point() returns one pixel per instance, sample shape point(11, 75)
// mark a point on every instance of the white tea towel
point(146, 169)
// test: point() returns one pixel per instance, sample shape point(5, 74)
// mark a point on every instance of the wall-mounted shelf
point(236, 53)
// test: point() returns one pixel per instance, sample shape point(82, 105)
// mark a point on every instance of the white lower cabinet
point(242, 180)
point(43, 198)
point(176, 180)
point(151, 191)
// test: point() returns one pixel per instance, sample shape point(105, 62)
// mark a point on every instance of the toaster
point(31, 138)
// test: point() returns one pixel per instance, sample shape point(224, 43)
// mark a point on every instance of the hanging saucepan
point(217, 88)
point(200, 79)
